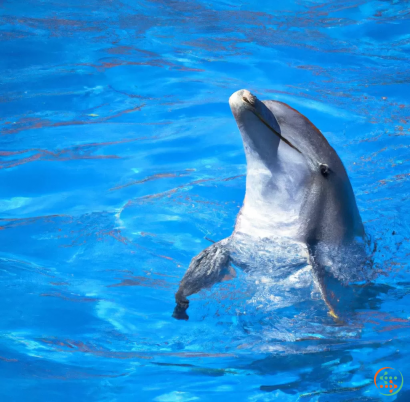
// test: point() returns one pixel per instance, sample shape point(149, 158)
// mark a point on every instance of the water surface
point(120, 161)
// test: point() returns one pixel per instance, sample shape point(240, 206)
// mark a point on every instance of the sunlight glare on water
point(120, 161)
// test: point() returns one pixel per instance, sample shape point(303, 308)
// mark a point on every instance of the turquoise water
point(120, 161)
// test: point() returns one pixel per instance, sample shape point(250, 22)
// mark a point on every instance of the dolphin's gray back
point(329, 213)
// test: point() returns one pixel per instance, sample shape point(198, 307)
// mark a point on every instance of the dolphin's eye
point(324, 169)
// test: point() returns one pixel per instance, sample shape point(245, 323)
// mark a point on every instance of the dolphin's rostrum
point(296, 187)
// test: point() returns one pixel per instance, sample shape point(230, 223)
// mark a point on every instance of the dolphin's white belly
point(258, 222)
point(273, 199)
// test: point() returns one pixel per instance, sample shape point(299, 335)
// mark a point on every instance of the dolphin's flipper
point(207, 268)
point(320, 277)
point(320, 281)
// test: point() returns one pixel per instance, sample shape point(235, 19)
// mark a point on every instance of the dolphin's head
point(267, 126)
point(292, 167)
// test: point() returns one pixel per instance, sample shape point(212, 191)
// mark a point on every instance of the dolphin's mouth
point(251, 101)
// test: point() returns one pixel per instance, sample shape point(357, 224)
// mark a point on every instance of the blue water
point(120, 159)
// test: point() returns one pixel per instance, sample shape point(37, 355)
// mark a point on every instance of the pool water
point(120, 161)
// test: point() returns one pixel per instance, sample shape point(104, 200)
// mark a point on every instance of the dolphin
point(296, 188)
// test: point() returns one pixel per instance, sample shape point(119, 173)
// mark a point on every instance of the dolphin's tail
point(207, 268)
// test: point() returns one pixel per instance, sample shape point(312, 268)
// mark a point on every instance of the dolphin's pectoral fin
point(207, 268)
point(320, 281)
point(320, 277)
point(181, 307)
